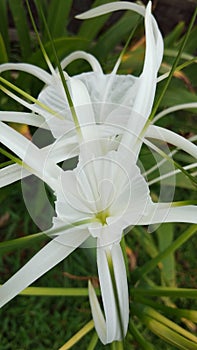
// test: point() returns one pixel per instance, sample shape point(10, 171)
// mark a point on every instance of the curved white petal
point(28, 68)
point(44, 110)
point(174, 109)
point(107, 8)
point(165, 212)
point(62, 149)
point(125, 5)
point(24, 118)
point(83, 107)
point(153, 55)
point(146, 85)
point(121, 284)
point(96, 67)
point(81, 97)
point(29, 153)
point(172, 173)
point(49, 256)
point(99, 321)
point(108, 298)
point(171, 137)
point(12, 173)
point(114, 325)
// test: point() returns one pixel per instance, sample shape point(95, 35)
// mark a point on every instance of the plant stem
point(117, 345)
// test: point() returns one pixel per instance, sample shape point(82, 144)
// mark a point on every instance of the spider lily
point(106, 192)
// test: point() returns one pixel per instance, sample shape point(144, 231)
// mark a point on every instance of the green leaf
point(90, 27)
point(165, 291)
point(182, 94)
point(174, 35)
point(26, 241)
point(64, 46)
point(169, 335)
point(165, 239)
point(151, 264)
point(145, 345)
point(145, 240)
point(57, 24)
point(165, 328)
point(54, 292)
point(167, 310)
point(93, 342)
point(78, 336)
point(3, 52)
point(4, 23)
point(119, 31)
point(190, 46)
point(175, 64)
point(20, 20)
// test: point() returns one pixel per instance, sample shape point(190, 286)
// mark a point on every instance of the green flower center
point(102, 216)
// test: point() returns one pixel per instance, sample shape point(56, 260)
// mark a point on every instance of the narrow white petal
point(11, 174)
point(125, 5)
point(109, 303)
point(29, 153)
point(14, 140)
point(172, 173)
point(99, 321)
point(28, 68)
point(24, 118)
point(81, 97)
point(171, 137)
point(31, 106)
point(63, 148)
point(115, 6)
point(164, 212)
point(121, 284)
point(153, 57)
point(146, 84)
point(49, 256)
point(109, 328)
point(174, 109)
point(96, 67)
point(83, 107)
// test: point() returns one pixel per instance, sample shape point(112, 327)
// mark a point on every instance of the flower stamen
point(102, 216)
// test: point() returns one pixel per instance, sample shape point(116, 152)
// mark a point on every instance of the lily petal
point(174, 109)
point(11, 174)
point(28, 68)
point(121, 284)
point(147, 82)
point(49, 256)
point(108, 298)
point(166, 212)
point(83, 107)
point(21, 146)
point(111, 7)
point(115, 324)
point(99, 321)
point(153, 57)
point(24, 118)
point(171, 137)
point(94, 63)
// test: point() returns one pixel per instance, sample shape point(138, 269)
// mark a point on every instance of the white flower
point(104, 94)
point(106, 192)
